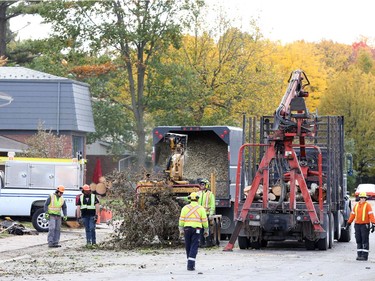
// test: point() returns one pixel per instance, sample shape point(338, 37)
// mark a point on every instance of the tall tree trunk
point(3, 30)
point(140, 108)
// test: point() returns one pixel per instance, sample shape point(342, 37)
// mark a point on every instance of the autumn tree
point(352, 95)
point(214, 77)
point(134, 31)
point(305, 56)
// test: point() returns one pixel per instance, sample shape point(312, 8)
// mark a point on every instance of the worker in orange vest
point(363, 215)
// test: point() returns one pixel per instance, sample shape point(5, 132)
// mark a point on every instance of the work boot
point(191, 265)
point(359, 256)
point(365, 256)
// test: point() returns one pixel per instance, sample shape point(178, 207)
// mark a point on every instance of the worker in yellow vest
point(363, 215)
point(88, 209)
point(192, 220)
point(207, 201)
point(53, 206)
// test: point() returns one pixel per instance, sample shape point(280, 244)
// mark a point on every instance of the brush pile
point(140, 220)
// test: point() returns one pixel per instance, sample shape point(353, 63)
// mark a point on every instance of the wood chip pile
point(203, 157)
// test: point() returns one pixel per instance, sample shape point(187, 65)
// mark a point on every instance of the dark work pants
point(192, 236)
point(54, 229)
point(90, 226)
point(362, 232)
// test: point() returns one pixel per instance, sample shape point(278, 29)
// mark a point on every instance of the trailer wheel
point(345, 235)
point(323, 243)
point(309, 245)
point(217, 233)
point(39, 221)
point(243, 242)
point(264, 243)
point(255, 245)
point(331, 231)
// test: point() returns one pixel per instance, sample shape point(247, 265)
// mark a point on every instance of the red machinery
point(286, 159)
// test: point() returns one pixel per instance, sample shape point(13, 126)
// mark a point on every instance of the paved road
point(29, 258)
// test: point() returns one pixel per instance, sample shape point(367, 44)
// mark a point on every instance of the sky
point(342, 21)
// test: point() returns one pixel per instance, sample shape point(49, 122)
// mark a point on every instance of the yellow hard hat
point(193, 196)
point(205, 183)
point(61, 188)
point(362, 194)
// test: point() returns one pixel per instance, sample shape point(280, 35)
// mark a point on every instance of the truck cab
point(26, 183)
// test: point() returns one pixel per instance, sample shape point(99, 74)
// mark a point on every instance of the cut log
point(101, 189)
point(93, 186)
point(271, 197)
point(276, 189)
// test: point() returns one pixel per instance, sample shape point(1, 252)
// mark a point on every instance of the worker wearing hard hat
point(363, 215)
point(193, 218)
point(53, 206)
point(207, 201)
point(88, 209)
point(207, 198)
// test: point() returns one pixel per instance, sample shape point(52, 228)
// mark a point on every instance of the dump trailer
point(293, 182)
point(212, 153)
point(26, 183)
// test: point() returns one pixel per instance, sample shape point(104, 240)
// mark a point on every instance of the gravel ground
point(28, 258)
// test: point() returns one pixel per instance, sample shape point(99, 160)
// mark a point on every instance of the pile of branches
point(140, 220)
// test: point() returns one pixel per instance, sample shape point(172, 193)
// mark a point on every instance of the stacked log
point(276, 191)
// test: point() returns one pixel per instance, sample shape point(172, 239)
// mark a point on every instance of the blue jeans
point(90, 224)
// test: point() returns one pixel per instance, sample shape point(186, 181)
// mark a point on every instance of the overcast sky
point(343, 21)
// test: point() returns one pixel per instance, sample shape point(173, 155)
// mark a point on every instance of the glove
point(372, 228)
point(46, 216)
point(347, 226)
point(65, 218)
point(205, 233)
point(96, 217)
point(79, 220)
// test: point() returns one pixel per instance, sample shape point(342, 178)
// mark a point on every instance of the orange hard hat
point(86, 187)
point(61, 188)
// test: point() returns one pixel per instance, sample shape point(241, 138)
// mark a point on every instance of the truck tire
point(346, 235)
point(309, 245)
point(255, 245)
point(39, 222)
point(331, 231)
point(217, 233)
point(243, 242)
point(323, 243)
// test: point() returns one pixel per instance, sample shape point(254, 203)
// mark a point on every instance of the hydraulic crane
point(292, 124)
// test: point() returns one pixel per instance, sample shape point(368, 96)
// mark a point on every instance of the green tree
point(45, 144)
point(134, 31)
point(11, 9)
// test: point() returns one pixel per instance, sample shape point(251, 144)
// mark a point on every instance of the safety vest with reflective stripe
point(54, 207)
point(362, 213)
point(92, 203)
point(207, 200)
point(193, 215)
